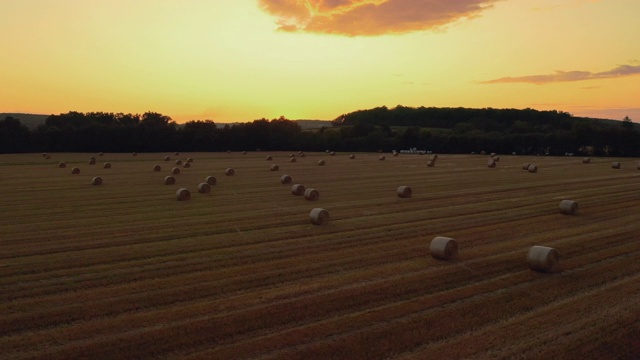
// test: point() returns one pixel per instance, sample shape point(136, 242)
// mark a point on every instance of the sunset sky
point(241, 60)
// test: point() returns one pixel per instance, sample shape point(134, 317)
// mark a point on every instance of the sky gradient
point(241, 60)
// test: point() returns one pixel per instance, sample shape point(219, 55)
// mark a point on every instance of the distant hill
point(304, 124)
point(32, 121)
point(608, 121)
point(313, 124)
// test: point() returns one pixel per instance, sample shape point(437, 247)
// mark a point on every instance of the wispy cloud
point(370, 17)
point(564, 76)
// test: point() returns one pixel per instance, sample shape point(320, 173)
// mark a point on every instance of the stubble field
point(124, 271)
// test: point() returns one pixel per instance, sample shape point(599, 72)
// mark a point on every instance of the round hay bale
point(107, 165)
point(491, 163)
point(175, 171)
point(275, 167)
point(176, 153)
point(204, 188)
point(101, 154)
point(96, 181)
point(586, 160)
point(62, 164)
point(44, 155)
point(404, 192)
point(186, 165)
point(244, 153)
point(311, 194)
point(167, 158)
point(543, 259)
point(352, 156)
point(395, 153)
point(319, 216)
point(327, 151)
point(169, 180)
point(493, 154)
point(211, 180)
point(525, 166)
point(285, 179)
point(381, 158)
point(269, 157)
point(178, 162)
point(302, 155)
point(443, 248)
point(183, 194)
point(297, 190)
point(189, 160)
point(615, 165)
point(431, 163)
point(229, 172)
point(75, 170)
point(292, 155)
point(321, 163)
point(157, 168)
point(568, 207)
point(135, 154)
point(48, 157)
point(333, 153)
point(533, 168)
point(292, 159)
point(92, 161)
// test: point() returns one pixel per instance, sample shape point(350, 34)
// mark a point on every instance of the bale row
point(310, 194)
point(209, 180)
point(539, 258)
point(183, 194)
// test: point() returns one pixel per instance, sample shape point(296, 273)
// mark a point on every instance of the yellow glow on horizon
point(224, 60)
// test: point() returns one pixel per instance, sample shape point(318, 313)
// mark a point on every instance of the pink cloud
point(564, 76)
point(370, 17)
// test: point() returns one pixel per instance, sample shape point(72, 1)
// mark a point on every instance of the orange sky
point(240, 60)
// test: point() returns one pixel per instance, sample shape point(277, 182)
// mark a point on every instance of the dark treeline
point(442, 130)
point(462, 130)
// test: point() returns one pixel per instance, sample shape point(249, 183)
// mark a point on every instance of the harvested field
point(123, 270)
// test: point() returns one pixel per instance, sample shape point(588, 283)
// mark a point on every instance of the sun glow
point(233, 61)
